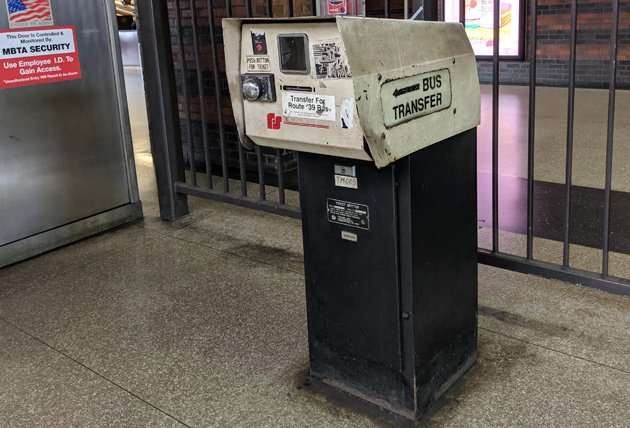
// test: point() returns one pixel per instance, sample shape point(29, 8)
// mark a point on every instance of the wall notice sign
point(29, 13)
point(34, 57)
point(415, 96)
point(306, 106)
point(348, 213)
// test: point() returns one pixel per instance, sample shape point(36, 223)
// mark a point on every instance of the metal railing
point(205, 160)
point(602, 279)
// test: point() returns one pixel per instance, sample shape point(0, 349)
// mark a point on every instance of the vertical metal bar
point(248, 8)
point(281, 193)
point(386, 8)
point(431, 10)
point(462, 12)
point(495, 127)
point(314, 8)
point(242, 168)
point(202, 95)
point(261, 174)
point(239, 146)
point(570, 120)
point(290, 8)
point(270, 8)
point(182, 55)
point(612, 85)
point(217, 94)
point(532, 129)
point(162, 107)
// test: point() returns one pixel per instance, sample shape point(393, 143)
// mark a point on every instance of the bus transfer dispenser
point(383, 114)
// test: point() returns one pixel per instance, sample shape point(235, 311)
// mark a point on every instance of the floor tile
point(578, 321)
point(266, 238)
point(41, 388)
point(72, 257)
point(518, 384)
point(207, 336)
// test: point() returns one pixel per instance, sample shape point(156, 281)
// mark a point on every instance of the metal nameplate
point(348, 213)
point(415, 96)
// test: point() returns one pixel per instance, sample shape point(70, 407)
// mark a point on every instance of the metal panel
point(65, 148)
point(54, 238)
point(391, 273)
point(361, 275)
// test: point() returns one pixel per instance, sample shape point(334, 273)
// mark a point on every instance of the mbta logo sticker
point(273, 121)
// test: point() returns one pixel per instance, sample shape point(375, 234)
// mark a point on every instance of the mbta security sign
point(33, 57)
point(415, 96)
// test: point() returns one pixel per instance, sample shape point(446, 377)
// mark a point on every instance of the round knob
point(251, 89)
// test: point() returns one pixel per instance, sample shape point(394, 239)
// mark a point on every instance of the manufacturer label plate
point(348, 213)
point(415, 96)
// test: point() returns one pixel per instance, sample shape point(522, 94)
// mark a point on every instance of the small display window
point(478, 19)
point(293, 50)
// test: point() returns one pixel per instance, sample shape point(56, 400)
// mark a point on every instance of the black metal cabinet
point(391, 273)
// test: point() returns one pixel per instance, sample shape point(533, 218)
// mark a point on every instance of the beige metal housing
point(373, 89)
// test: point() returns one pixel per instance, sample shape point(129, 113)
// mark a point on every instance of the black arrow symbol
point(406, 90)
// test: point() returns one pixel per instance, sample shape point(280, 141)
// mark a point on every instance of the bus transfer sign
point(415, 96)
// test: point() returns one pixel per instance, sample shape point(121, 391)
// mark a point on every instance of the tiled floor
point(591, 113)
point(201, 322)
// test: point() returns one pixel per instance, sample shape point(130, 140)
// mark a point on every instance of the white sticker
point(32, 43)
point(258, 64)
point(346, 115)
point(345, 181)
point(349, 236)
point(307, 106)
